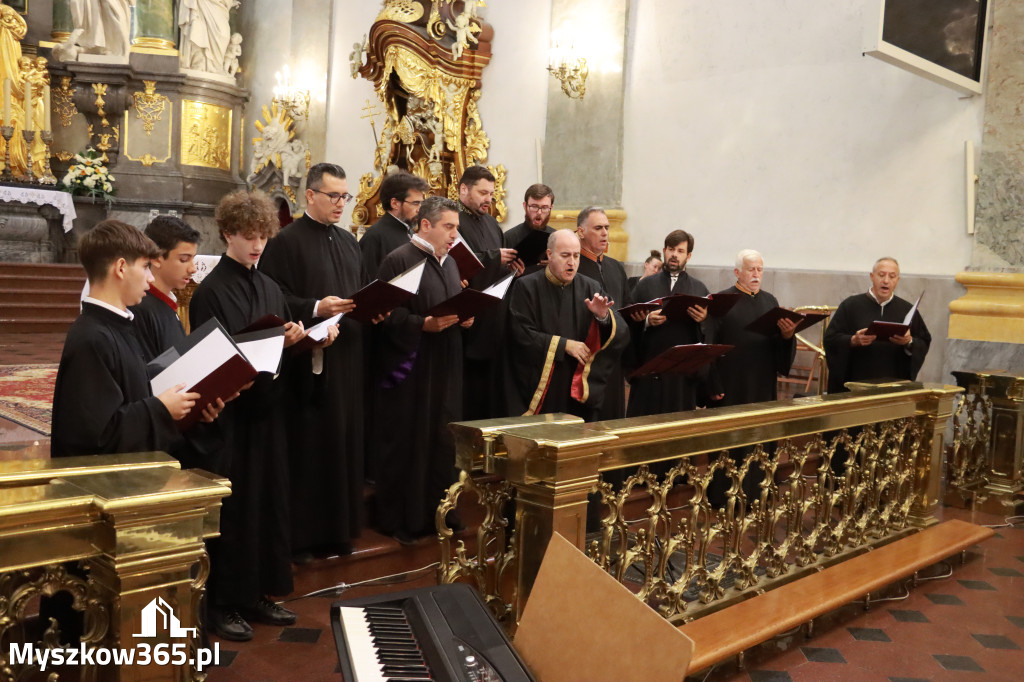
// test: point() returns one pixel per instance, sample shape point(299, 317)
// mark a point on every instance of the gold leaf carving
point(64, 102)
point(405, 11)
point(205, 135)
point(149, 106)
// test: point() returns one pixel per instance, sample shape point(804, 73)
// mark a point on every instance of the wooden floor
point(967, 626)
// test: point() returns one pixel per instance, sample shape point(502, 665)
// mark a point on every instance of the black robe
point(544, 315)
point(611, 277)
point(484, 340)
point(658, 394)
point(418, 383)
point(380, 239)
point(252, 557)
point(102, 402)
point(749, 372)
point(880, 360)
point(324, 412)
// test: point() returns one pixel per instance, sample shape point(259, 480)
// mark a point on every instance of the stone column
point(154, 24)
point(583, 138)
point(62, 24)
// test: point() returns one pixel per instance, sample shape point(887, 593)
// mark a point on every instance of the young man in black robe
point(418, 375)
point(657, 394)
point(565, 338)
point(401, 195)
point(593, 227)
point(854, 355)
point(319, 267)
point(749, 372)
point(537, 203)
point(483, 342)
point(251, 559)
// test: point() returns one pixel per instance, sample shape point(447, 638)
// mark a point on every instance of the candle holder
point(7, 132)
point(29, 136)
point(48, 178)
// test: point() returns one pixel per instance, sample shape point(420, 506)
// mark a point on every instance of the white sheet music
point(910, 315)
point(411, 278)
point(498, 289)
point(264, 354)
point(195, 365)
point(318, 332)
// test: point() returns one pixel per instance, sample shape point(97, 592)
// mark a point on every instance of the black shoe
point(269, 613)
point(229, 624)
point(303, 558)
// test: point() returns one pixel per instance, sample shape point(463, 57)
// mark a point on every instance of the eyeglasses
point(335, 197)
point(539, 209)
point(417, 204)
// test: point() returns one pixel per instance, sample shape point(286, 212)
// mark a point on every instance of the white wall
point(512, 106)
point(759, 124)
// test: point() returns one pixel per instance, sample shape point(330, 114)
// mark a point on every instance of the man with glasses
point(319, 267)
point(401, 195)
point(537, 205)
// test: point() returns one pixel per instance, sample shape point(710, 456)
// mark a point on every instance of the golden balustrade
point(986, 459)
point(116, 532)
point(665, 540)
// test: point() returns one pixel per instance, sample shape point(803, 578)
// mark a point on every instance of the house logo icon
point(158, 614)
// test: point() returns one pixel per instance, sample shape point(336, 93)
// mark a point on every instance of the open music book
point(379, 297)
point(768, 324)
point(469, 302)
point(682, 359)
point(464, 257)
point(886, 330)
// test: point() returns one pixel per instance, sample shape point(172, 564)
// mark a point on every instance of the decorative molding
point(64, 101)
point(149, 106)
point(991, 310)
point(101, 90)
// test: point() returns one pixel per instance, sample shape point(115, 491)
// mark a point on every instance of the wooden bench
point(736, 628)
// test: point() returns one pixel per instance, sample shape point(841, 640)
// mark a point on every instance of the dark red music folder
point(645, 308)
point(768, 324)
point(674, 306)
point(265, 322)
point(682, 359)
point(886, 330)
point(469, 264)
point(470, 302)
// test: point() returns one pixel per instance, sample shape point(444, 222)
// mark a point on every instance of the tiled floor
point(28, 349)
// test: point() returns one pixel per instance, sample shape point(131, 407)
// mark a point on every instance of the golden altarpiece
point(426, 60)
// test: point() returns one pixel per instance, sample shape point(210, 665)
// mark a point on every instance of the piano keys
point(441, 633)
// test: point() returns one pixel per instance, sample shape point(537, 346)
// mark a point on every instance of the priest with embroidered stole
point(565, 339)
point(418, 375)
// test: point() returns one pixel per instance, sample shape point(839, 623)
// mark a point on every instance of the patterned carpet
point(26, 395)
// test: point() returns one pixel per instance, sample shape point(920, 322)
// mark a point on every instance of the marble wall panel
point(976, 356)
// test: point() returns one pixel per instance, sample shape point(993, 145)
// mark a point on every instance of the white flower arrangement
point(89, 177)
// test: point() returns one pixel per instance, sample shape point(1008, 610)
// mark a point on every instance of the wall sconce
point(289, 97)
point(570, 69)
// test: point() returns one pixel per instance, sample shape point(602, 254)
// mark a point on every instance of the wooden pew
point(735, 629)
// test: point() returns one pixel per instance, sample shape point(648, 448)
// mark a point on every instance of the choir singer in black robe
point(749, 372)
point(854, 355)
point(484, 341)
point(251, 559)
point(658, 394)
point(401, 195)
point(565, 338)
point(593, 227)
point(318, 266)
point(537, 202)
point(418, 375)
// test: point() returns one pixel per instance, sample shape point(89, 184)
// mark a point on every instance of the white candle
point(28, 106)
point(7, 102)
point(46, 108)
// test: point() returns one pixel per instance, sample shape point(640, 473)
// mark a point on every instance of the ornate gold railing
point(649, 478)
point(115, 532)
point(985, 468)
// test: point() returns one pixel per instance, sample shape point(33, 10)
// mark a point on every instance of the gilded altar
point(426, 60)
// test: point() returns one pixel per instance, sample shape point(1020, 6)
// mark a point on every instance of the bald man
point(564, 337)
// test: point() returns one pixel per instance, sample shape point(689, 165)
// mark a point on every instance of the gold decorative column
point(928, 468)
point(991, 310)
point(565, 219)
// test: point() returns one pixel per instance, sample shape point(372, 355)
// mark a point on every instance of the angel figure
point(465, 33)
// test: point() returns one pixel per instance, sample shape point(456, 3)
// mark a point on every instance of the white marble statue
point(206, 35)
point(100, 27)
point(465, 32)
point(275, 149)
point(232, 55)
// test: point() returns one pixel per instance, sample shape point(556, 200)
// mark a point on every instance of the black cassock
point(749, 372)
point(252, 557)
point(611, 277)
point(657, 394)
point(380, 239)
point(418, 381)
point(484, 340)
point(542, 316)
point(324, 411)
point(102, 402)
point(880, 360)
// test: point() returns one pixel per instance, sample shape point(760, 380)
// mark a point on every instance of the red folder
point(768, 324)
point(376, 298)
point(469, 264)
point(265, 322)
point(682, 359)
point(223, 383)
point(886, 330)
point(466, 304)
point(645, 308)
point(674, 306)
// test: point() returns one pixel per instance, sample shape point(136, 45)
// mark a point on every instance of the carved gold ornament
point(149, 106)
point(101, 90)
point(406, 11)
point(205, 135)
point(64, 101)
point(276, 122)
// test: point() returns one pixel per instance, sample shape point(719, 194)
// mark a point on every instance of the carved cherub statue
point(465, 32)
point(231, 55)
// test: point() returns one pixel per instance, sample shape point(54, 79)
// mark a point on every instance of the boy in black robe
point(418, 374)
point(659, 394)
point(592, 227)
point(537, 203)
point(401, 195)
point(854, 355)
point(102, 402)
point(483, 342)
point(316, 264)
point(564, 337)
point(251, 558)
